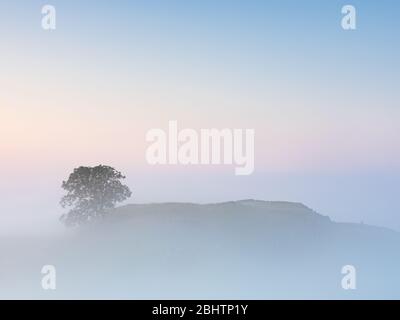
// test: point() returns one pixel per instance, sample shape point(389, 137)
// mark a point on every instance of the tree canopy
point(91, 192)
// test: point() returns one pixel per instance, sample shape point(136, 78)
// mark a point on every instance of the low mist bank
point(232, 250)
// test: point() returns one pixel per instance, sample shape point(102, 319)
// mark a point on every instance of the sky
point(324, 102)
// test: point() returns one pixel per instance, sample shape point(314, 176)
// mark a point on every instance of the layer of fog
point(231, 250)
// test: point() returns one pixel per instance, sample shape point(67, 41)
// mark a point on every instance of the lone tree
point(91, 191)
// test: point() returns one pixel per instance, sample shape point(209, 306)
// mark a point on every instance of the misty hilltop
point(244, 206)
point(260, 218)
point(225, 212)
point(232, 250)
